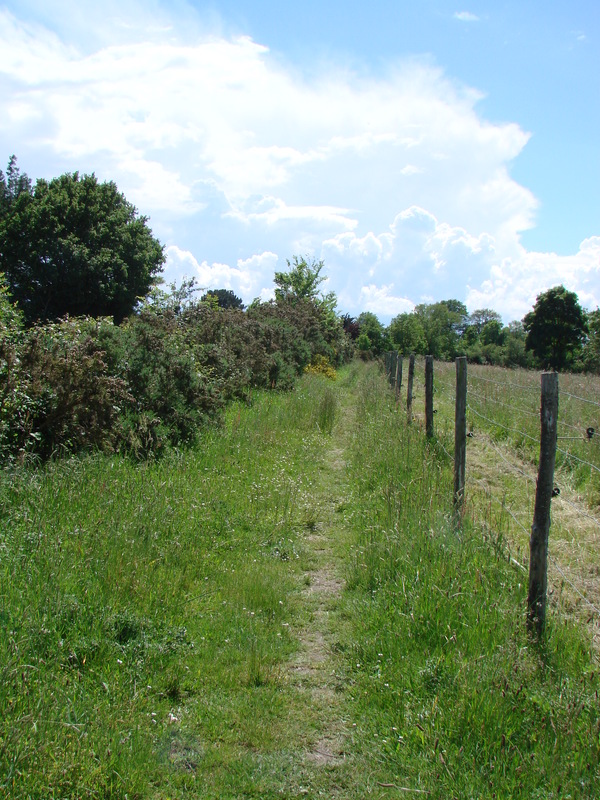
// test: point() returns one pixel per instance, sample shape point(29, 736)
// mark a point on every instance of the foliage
point(481, 316)
point(75, 246)
point(555, 328)
point(443, 324)
point(301, 281)
point(157, 379)
point(11, 186)
point(57, 392)
point(370, 327)
point(408, 334)
point(321, 366)
point(351, 326)
point(591, 354)
point(225, 298)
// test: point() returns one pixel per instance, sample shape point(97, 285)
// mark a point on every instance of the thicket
point(153, 381)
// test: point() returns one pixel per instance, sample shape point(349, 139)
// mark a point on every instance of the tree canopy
point(224, 298)
point(555, 328)
point(74, 246)
point(301, 281)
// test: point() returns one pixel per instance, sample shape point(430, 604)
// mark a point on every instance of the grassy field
point(286, 611)
point(502, 458)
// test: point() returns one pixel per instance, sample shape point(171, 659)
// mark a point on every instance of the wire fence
point(503, 417)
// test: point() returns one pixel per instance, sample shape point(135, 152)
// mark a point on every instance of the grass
point(445, 679)
point(152, 618)
point(502, 457)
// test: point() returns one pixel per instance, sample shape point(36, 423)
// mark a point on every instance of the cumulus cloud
point(515, 282)
point(395, 180)
point(466, 16)
point(250, 275)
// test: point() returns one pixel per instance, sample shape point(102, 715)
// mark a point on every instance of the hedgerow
point(153, 381)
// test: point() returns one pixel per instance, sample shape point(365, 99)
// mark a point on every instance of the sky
point(423, 150)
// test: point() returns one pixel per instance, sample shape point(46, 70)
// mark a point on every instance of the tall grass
point(148, 617)
point(450, 692)
point(131, 596)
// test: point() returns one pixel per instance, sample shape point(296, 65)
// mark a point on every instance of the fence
point(494, 412)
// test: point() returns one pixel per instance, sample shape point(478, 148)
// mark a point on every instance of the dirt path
point(313, 671)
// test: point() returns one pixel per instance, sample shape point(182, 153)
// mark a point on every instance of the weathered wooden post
point(429, 396)
point(393, 367)
point(399, 376)
point(409, 391)
point(460, 434)
point(538, 543)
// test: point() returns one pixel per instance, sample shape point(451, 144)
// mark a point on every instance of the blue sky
point(424, 150)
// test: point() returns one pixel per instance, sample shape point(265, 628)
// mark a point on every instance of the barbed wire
point(582, 399)
point(554, 562)
point(447, 392)
point(505, 405)
point(510, 464)
point(500, 425)
point(572, 585)
point(581, 460)
point(473, 376)
point(579, 511)
point(502, 504)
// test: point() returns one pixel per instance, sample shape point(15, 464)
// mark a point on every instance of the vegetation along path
point(287, 610)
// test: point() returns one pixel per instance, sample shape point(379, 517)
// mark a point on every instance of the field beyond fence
point(502, 467)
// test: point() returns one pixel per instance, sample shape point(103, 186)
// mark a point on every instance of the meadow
point(287, 609)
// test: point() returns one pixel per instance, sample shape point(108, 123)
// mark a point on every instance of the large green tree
point(301, 281)
point(443, 324)
point(407, 334)
point(555, 328)
point(224, 298)
point(74, 246)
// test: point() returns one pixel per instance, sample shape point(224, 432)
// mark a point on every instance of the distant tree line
point(557, 334)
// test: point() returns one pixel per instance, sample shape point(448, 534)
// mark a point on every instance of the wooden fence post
point(399, 376)
point(538, 543)
point(460, 433)
point(429, 396)
point(409, 391)
point(393, 367)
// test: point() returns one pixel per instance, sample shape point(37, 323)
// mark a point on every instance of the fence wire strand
point(445, 389)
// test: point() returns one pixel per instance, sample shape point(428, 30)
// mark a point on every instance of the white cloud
point(396, 181)
point(250, 276)
point(514, 283)
point(466, 16)
point(381, 301)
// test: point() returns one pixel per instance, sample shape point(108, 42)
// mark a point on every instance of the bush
point(57, 391)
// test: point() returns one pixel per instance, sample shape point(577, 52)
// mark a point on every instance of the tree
point(591, 350)
point(369, 325)
point(12, 186)
point(302, 280)
point(481, 316)
point(407, 334)
point(555, 328)
point(350, 326)
point(75, 246)
point(225, 298)
point(443, 324)
point(492, 333)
